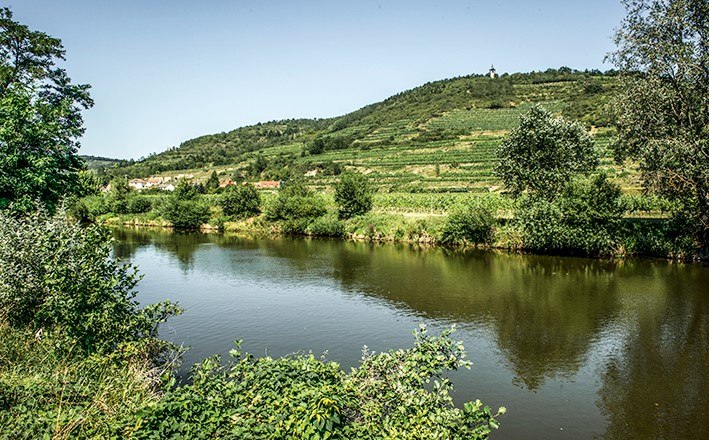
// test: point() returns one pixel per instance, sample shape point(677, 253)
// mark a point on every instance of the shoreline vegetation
point(391, 222)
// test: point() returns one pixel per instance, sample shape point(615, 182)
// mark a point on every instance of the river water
point(574, 348)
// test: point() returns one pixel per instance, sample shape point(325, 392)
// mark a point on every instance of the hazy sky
point(163, 72)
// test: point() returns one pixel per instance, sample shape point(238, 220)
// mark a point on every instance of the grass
point(47, 386)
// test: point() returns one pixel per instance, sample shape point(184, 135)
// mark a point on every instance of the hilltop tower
point(492, 72)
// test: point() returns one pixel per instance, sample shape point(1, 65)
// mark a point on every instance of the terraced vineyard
point(439, 138)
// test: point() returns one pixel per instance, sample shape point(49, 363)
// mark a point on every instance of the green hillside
point(97, 162)
point(439, 137)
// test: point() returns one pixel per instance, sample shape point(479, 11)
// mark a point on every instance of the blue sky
point(163, 72)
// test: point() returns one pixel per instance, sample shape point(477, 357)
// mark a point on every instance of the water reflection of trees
point(181, 245)
point(658, 385)
point(546, 313)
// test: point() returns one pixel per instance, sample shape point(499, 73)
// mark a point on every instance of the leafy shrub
point(296, 202)
point(138, 205)
point(585, 219)
point(295, 226)
point(542, 225)
point(240, 201)
point(185, 214)
point(57, 274)
point(184, 209)
point(327, 226)
point(78, 210)
point(303, 397)
point(667, 237)
point(470, 223)
point(353, 194)
point(96, 205)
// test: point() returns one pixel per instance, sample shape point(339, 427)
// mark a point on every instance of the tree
point(353, 195)
point(40, 118)
point(118, 195)
point(544, 153)
point(296, 201)
point(240, 201)
point(184, 209)
point(585, 218)
point(213, 182)
point(662, 110)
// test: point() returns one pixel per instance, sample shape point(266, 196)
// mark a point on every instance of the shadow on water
point(628, 340)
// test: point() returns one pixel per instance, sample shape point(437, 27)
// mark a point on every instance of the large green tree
point(240, 201)
point(662, 110)
point(544, 153)
point(40, 118)
point(353, 195)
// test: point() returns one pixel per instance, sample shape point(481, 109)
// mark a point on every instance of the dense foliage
point(662, 110)
point(40, 119)
point(544, 153)
point(54, 274)
point(469, 223)
point(388, 396)
point(353, 195)
point(585, 219)
point(240, 201)
point(184, 209)
point(50, 389)
point(296, 206)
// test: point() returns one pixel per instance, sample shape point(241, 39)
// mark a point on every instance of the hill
point(439, 137)
point(98, 162)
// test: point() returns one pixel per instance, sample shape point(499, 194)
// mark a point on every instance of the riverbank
point(585, 224)
point(383, 227)
point(410, 228)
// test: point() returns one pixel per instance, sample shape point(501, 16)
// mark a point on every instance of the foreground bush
point(303, 397)
point(50, 389)
point(55, 274)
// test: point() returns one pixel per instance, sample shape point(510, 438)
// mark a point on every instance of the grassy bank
point(640, 226)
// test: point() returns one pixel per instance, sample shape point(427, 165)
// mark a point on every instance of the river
point(574, 348)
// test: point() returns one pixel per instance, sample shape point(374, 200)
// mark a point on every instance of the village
point(167, 183)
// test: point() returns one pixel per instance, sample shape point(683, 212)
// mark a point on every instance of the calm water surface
point(574, 348)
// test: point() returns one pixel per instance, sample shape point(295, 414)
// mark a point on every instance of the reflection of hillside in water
point(544, 311)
